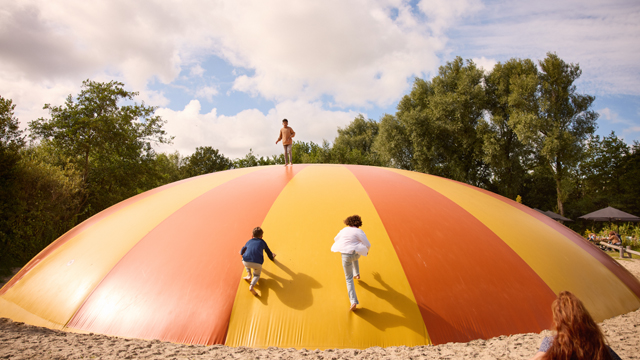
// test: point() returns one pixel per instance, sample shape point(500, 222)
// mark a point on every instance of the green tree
point(11, 142)
point(507, 157)
point(538, 188)
point(559, 124)
point(393, 144)
point(110, 143)
point(310, 153)
point(303, 153)
point(441, 118)
point(11, 136)
point(49, 196)
point(205, 160)
point(630, 180)
point(251, 160)
point(600, 173)
point(168, 168)
point(45, 201)
point(354, 143)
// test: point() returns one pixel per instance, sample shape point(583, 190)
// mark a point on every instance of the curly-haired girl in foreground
point(578, 336)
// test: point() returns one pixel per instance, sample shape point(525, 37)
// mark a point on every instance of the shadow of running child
point(400, 302)
point(295, 292)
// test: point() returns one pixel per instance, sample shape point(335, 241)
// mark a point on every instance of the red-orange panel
point(623, 274)
point(179, 282)
point(79, 229)
point(468, 283)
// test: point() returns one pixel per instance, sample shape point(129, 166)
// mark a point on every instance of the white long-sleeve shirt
point(350, 239)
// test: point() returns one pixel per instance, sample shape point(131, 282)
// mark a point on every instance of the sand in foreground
point(20, 341)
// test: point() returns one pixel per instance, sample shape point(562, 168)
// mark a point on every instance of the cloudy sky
point(224, 73)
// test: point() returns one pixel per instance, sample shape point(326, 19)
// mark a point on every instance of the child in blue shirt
point(252, 257)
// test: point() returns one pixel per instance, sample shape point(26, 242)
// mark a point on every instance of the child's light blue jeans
point(351, 267)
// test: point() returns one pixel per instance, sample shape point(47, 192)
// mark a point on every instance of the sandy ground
point(20, 341)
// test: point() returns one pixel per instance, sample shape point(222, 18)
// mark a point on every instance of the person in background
point(614, 239)
point(286, 135)
point(252, 257)
point(351, 242)
point(577, 335)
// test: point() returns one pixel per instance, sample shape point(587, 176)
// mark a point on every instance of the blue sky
point(225, 73)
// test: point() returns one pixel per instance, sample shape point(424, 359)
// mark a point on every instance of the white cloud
point(30, 98)
point(50, 47)
point(206, 92)
point(606, 114)
point(626, 129)
point(444, 13)
point(249, 129)
point(612, 117)
point(359, 52)
point(152, 98)
point(196, 70)
point(601, 36)
point(351, 50)
point(484, 63)
point(354, 52)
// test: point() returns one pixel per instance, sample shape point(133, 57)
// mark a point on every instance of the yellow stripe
point(304, 299)
point(560, 263)
point(16, 313)
point(53, 291)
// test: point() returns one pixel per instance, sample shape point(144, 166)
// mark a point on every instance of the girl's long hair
point(578, 336)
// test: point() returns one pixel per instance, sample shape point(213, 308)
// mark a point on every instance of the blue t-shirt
point(252, 251)
point(546, 344)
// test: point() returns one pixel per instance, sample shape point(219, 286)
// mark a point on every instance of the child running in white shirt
point(351, 242)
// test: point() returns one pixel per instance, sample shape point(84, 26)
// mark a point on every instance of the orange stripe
point(179, 282)
point(468, 283)
point(85, 225)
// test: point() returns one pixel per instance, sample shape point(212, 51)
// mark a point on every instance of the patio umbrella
point(555, 216)
point(610, 214)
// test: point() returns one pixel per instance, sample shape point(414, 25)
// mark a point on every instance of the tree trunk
point(85, 170)
point(559, 186)
point(559, 191)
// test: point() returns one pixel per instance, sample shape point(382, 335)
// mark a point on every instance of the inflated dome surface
point(449, 262)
